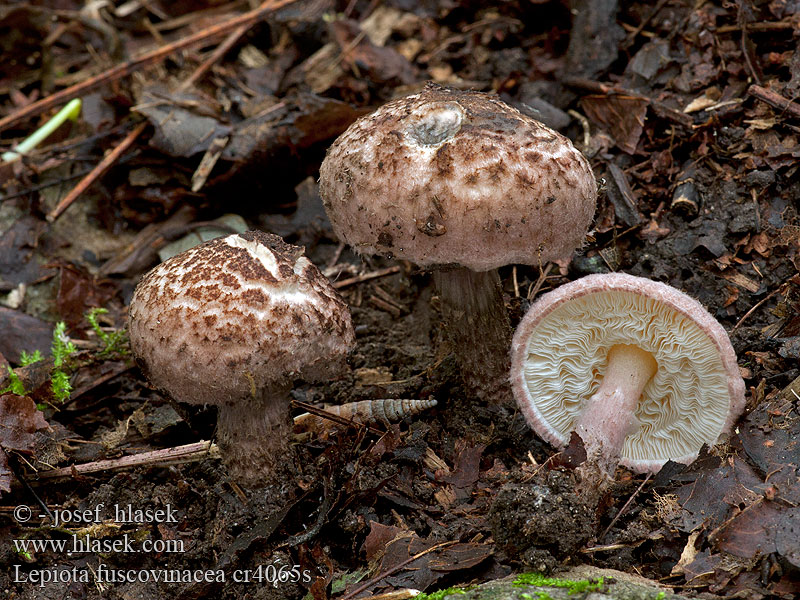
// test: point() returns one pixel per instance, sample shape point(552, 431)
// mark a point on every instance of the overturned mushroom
point(462, 183)
point(232, 322)
point(641, 371)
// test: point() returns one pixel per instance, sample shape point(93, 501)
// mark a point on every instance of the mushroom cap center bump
point(455, 177)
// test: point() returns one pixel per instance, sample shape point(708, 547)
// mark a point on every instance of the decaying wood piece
point(384, 411)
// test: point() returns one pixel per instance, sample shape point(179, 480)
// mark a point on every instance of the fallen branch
point(108, 160)
point(774, 99)
point(366, 277)
point(164, 457)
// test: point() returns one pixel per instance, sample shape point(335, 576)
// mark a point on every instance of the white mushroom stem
point(610, 414)
point(254, 436)
point(477, 324)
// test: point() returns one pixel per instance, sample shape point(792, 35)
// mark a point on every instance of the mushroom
point(641, 371)
point(232, 322)
point(462, 183)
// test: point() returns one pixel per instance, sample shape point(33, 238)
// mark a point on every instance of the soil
point(699, 189)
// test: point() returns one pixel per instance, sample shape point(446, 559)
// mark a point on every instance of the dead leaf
point(621, 116)
point(23, 332)
point(19, 421)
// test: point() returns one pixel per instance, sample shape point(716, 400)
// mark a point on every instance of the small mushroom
point(232, 322)
point(641, 371)
point(462, 183)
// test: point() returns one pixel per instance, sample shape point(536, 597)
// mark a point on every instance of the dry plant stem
point(610, 414)
point(108, 160)
point(164, 457)
point(477, 325)
point(254, 437)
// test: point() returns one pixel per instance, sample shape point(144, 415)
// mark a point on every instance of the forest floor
point(686, 113)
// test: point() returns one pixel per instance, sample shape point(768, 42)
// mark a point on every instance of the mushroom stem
point(254, 437)
point(610, 415)
point(477, 325)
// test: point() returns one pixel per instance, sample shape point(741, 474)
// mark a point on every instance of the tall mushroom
point(462, 183)
point(233, 322)
point(641, 371)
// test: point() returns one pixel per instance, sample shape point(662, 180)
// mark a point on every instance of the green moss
point(439, 595)
point(62, 348)
point(573, 587)
point(539, 596)
point(114, 342)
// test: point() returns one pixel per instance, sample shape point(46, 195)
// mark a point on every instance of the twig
point(746, 45)
point(774, 99)
point(366, 277)
point(534, 290)
point(30, 490)
point(166, 456)
point(758, 304)
point(125, 69)
point(624, 508)
point(764, 26)
point(393, 570)
point(108, 160)
point(635, 33)
point(115, 372)
point(217, 55)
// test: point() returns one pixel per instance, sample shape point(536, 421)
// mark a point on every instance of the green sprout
point(114, 342)
point(26, 359)
point(70, 111)
point(16, 386)
point(25, 554)
point(62, 348)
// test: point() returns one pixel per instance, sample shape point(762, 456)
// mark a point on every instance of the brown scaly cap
point(236, 315)
point(454, 177)
point(559, 356)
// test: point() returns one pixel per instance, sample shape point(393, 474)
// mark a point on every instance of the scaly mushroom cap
point(559, 356)
point(231, 317)
point(453, 177)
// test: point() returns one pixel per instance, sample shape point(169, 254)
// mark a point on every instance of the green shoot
point(15, 385)
point(62, 348)
point(70, 111)
point(114, 342)
point(26, 359)
point(25, 554)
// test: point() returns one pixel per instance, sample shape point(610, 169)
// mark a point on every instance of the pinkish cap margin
point(590, 284)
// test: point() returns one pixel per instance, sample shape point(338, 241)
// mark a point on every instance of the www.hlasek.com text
point(86, 544)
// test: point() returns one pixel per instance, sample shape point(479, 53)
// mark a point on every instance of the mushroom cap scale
point(236, 315)
point(457, 177)
point(560, 350)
